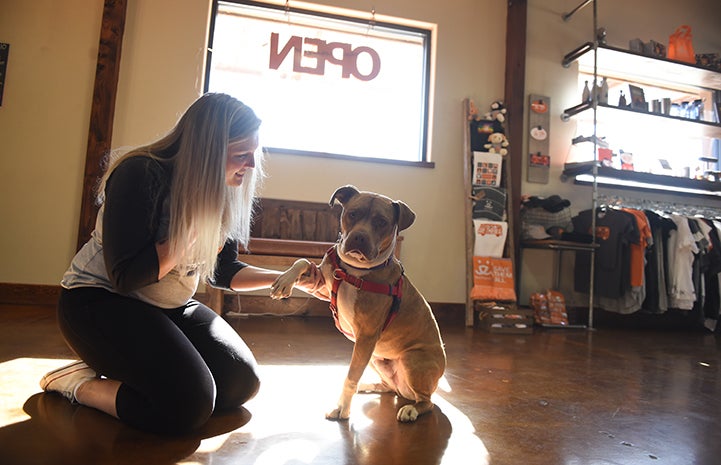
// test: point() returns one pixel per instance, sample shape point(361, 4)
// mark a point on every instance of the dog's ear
point(404, 214)
point(343, 194)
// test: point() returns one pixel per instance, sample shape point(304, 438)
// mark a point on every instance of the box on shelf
point(505, 318)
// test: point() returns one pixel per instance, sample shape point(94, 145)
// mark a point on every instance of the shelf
point(642, 181)
point(554, 244)
point(662, 123)
point(624, 64)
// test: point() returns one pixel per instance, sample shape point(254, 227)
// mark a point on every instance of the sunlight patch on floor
point(463, 442)
point(443, 384)
point(289, 422)
point(20, 378)
point(305, 392)
point(293, 450)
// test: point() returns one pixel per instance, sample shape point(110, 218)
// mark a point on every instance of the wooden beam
point(514, 100)
point(102, 110)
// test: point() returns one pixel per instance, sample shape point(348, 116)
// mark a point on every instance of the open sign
point(322, 51)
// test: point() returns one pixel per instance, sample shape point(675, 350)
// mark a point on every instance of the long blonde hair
point(203, 209)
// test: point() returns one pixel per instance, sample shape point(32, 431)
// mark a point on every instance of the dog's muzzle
point(358, 245)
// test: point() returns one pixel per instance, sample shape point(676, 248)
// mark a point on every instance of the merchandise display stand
point(557, 247)
point(472, 306)
point(594, 163)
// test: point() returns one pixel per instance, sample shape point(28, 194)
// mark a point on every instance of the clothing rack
point(681, 284)
point(594, 138)
point(660, 206)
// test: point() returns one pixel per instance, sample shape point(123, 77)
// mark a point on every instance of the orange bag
point(549, 308)
point(493, 279)
point(680, 45)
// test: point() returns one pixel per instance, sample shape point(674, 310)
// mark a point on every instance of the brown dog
point(375, 305)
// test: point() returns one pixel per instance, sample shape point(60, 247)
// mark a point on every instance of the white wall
point(44, 121)
point(48, 91)
point(43, 132)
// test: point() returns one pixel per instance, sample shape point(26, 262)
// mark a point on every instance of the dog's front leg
point(362, 352)
point(283, 285)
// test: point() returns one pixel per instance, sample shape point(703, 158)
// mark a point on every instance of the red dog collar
point(339, 275)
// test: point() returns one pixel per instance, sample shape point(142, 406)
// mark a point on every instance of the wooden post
point(102, 111)
point(514, 99)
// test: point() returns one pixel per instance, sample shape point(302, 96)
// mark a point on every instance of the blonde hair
point(204, 211)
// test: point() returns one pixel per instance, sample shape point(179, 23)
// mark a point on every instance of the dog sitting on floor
point(375, 305)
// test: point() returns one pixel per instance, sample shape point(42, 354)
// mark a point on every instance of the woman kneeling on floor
point(173, 214)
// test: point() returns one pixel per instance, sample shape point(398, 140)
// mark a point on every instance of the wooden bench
point(283, 231)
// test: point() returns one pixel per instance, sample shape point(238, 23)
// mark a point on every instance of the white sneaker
point(65, 380)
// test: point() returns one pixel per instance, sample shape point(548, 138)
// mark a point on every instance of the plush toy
point(498, 111)
point(497, 143)
point(473, 113)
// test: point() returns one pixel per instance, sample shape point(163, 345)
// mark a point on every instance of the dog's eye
point(380, 223)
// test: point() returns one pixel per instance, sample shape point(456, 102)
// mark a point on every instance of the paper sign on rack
point(490, 237)
point(493, 279)
point(487, 169)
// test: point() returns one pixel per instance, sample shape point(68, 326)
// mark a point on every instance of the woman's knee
point(188, 414)
point(236, 392)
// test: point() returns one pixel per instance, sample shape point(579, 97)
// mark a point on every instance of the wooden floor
point(608, 396)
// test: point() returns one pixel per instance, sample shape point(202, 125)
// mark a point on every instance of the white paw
point(407, 413)
point(337, 414)
point(283, 286)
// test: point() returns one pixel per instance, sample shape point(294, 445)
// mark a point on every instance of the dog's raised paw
point(281, 288)
point(336, 415)
point(407, 413)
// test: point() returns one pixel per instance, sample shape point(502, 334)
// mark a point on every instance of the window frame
point(427, 30)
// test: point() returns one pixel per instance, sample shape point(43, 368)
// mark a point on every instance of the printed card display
point(539, 159)
point(487, 169)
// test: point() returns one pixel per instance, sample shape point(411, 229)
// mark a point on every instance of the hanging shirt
point(655, 272)
point(681, 248)
point(638, 249)
point(615, 230)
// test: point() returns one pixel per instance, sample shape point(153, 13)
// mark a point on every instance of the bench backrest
point(296, 220)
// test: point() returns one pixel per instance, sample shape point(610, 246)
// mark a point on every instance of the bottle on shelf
point(603, 93)
point(586, 95)
point(596, 92)
point(622, 100)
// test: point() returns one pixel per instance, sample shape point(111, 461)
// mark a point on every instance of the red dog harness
point(339, 275)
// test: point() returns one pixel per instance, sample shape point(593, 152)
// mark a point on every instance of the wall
point(549, 39)
point(46, 106)
point(44, 132)
point(44, 121)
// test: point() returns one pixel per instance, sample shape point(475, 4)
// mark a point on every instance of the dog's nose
point(359, 242)
point(358, 239)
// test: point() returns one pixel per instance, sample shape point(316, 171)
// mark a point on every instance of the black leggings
point(176, 366)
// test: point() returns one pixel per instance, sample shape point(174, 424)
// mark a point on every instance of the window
point(325, 81)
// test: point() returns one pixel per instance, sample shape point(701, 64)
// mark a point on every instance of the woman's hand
point(166, 261)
